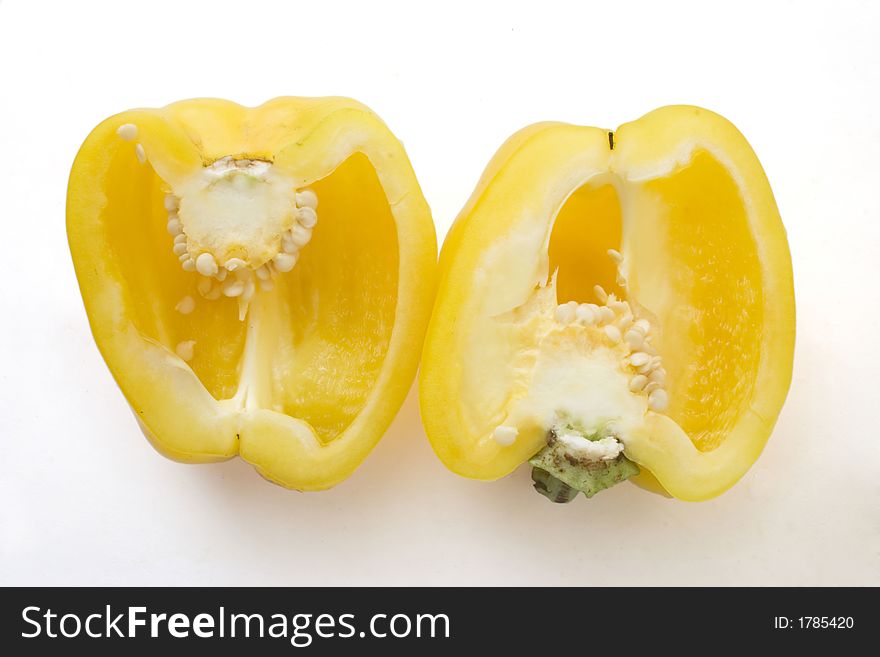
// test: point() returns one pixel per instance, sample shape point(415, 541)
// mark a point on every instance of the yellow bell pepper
point(257, 280)
point(609, 303)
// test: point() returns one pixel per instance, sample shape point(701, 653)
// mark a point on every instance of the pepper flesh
point(305, 386)
point(681, 195)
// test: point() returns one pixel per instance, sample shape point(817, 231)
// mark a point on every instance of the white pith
point(235, 209)
point(604, 449)
point(593, 365)
point(238, 224)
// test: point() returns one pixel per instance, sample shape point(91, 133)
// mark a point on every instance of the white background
point(86, 500)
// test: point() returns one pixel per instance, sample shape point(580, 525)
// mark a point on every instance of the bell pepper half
point(257, 280)
point(613, 305)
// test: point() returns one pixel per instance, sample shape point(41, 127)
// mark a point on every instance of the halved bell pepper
point(613, 305)
point(257, 280)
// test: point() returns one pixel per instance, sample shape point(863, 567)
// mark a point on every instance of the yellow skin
point(683, 197)
point(333, 348)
